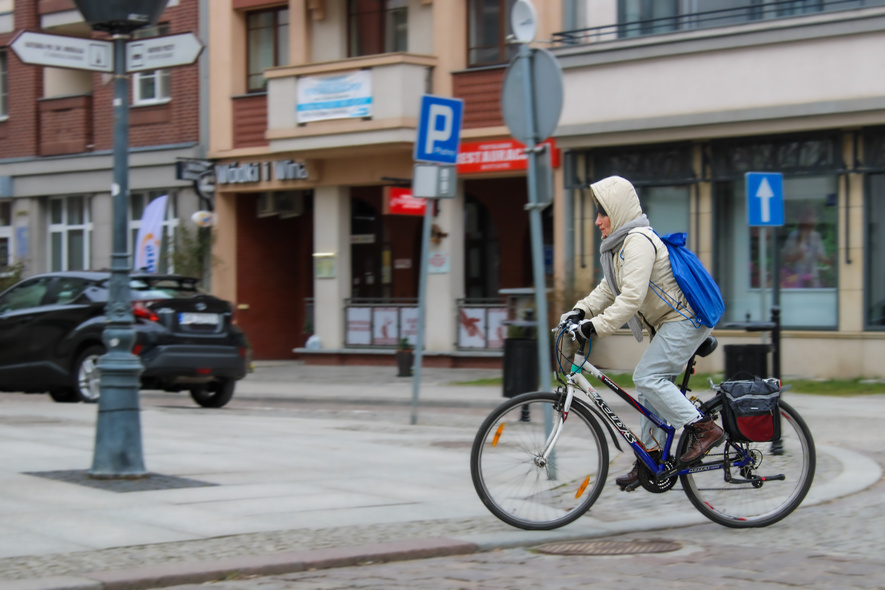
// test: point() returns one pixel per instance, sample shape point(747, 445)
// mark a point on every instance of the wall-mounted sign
point(398, 200)
point(498, 156)
point(340, 96)
point(251, 172)
point(438, 263)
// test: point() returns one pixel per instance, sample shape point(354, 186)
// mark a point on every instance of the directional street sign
point(83, 53)
point(765, 198)
point(155, 53)
point(59, 51)
point(439, 129)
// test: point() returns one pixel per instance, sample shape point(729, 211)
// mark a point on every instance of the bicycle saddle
point(707, 346)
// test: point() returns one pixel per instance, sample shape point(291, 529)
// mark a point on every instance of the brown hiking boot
point(706, 434)
point(630, 481)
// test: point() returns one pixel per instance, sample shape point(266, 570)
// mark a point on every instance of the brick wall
point(19, 133)
point(274, 276)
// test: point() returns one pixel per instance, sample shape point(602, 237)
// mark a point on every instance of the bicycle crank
point(651, 483)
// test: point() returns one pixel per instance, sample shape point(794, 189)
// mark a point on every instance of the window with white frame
point(138, 202)
point(70, 233)
point(151, 87)
point(4, 112)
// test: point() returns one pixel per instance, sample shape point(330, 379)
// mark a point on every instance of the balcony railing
point(751, 11)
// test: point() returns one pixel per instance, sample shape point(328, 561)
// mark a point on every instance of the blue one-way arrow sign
point(765, 198)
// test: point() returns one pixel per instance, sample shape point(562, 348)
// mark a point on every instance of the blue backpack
point(700, 289)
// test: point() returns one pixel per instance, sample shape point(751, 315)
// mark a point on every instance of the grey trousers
point(663, 361)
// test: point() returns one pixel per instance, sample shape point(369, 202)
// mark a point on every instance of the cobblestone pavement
point(838, 545)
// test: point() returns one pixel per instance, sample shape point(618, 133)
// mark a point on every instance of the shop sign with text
point(249, 172)
point(398, 200)
point(497, 156)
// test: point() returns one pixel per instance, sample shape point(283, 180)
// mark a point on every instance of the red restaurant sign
point(497, 156)
point(399, 201)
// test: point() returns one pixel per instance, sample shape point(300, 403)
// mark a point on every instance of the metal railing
point(753, 11)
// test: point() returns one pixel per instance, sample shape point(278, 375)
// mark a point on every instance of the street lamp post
point(118, 450)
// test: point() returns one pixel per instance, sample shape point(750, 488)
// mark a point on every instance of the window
point(488, 26)
point(70, 233)
point(799, 259)
point(26, 295)
point(4, 112)
point(268, 39)
point(377, 26)
point(5, 233)
point(151, 87)
point(138, 201)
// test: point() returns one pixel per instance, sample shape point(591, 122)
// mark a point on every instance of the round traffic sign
point(545, 79)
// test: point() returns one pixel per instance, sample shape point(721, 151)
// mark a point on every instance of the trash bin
point(743, 360)
point(520, 366)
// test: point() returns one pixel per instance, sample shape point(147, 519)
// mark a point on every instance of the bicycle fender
point(608, 426)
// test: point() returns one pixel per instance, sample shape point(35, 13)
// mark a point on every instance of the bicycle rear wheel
point(741, 504)
point(512, 478)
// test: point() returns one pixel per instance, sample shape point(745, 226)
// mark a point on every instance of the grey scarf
point(610, 248)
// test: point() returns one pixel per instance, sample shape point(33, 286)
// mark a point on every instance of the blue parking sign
point(765, 198)
point(439, 130)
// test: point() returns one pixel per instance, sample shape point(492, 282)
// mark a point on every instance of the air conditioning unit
point(289, 203)
point(266, 205)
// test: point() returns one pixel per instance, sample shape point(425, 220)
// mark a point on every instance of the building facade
point(684, 99)
point(313, 110)
point(56, 153)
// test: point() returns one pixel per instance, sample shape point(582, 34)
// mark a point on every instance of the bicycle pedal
point(630, 486)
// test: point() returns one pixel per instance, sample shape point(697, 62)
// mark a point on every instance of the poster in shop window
point(339, 96)
point(385, 326)
point(408, 318)
point(497, 330)
point(472, 327)
point(359, 326)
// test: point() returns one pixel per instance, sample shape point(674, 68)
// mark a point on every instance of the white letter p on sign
point(434, 134)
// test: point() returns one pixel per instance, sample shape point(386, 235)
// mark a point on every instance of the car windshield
point(163, 288)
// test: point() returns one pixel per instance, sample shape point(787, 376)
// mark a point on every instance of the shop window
point(70, 233)
point(138, 201)
point(5, 234)
point(268, 44)
point(4, 112)
point(488, 24)
point(377, 26)
point(801, 256)
point(482, 257)
point(150, 87)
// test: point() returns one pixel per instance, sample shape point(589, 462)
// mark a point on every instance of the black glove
point(574, 316)
point(586, 329)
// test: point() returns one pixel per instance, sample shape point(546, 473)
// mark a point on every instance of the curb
point(239, 567)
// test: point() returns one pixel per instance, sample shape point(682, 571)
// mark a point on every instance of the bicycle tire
point(510, 482)
point(743, 505)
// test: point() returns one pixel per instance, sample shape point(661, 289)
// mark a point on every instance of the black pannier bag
point(750, 410)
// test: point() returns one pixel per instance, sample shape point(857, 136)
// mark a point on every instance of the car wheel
point(214, 395)
point(86, 388)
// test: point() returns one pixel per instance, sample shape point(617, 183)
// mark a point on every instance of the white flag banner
point(150, 236)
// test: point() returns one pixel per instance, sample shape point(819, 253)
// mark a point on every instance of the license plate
point(189, 318)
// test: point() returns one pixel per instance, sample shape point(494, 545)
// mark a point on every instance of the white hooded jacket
point(643, 257)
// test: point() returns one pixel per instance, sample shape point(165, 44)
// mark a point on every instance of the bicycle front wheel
point(787, 467)
point(523, 488)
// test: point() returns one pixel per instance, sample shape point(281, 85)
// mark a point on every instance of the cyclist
point(632, 255)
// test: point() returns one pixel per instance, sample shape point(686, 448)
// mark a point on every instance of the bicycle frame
point(576, 382)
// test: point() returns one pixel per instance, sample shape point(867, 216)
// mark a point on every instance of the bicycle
point(533, 472)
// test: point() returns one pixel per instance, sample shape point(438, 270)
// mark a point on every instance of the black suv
point(51, 326)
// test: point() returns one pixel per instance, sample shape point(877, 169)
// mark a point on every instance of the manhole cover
point(609, 547)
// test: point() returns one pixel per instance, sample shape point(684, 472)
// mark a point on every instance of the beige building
point(313, 112)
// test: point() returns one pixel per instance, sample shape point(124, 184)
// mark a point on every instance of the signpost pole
point(535, 224)
point(422, 307)
point(118, 450)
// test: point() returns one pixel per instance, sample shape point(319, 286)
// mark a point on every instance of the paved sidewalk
point(260, 490)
